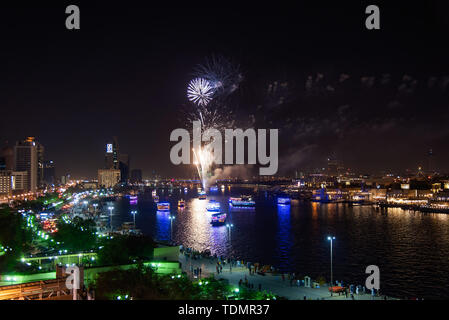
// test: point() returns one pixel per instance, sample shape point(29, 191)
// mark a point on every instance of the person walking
point(200, 272)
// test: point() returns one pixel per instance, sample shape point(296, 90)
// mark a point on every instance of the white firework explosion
point(200, 91)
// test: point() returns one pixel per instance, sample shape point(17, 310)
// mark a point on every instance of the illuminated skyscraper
point(112, 154)
point(28, 156)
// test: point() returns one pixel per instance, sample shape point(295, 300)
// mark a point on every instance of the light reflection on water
point(411, 249)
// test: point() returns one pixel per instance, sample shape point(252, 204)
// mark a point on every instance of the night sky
point(376, 100)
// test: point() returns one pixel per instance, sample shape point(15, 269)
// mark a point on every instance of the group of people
point(357, 290)
point(249, 285)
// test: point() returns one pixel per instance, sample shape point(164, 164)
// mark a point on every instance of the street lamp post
point(331, 239)
point(229, 226)
point(134, 212)
point(110, 216)
point(171, 226)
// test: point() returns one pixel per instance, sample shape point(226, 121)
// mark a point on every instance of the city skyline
point(128, 79)
point(224, 155)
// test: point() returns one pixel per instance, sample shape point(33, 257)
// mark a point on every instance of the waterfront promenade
point(268, 282)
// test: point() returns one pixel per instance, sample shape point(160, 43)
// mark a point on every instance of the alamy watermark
point(256, 141)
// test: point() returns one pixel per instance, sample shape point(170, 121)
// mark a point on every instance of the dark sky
point(125, 74)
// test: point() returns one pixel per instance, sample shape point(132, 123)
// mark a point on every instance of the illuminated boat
point(283, 200)
point(202, 195)
point(156, 199)
point(181, 203)
point(153, 193)
point(163, 206)
point(213, 189)
point(213, 206)
point(186, 190)
point(243, 201)
point(132, 199)
point(218, 219)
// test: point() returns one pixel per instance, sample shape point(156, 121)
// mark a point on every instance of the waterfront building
point(108, 178)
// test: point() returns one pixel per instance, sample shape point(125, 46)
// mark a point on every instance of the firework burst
point(200, 91)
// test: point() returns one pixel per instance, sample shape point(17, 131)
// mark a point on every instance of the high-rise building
point(108, 178)
point(124, 167)
point(27, 155)
point(136, 176)
point(116, 160)
point(49, 173)
point(11, 181)
point(40, 164)
point(112, 155)
point(65, 179)
point(19, 181)
point(5, 182)
point(334, 167)
point(7, 158)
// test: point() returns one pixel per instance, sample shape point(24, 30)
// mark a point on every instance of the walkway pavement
point(270, 283)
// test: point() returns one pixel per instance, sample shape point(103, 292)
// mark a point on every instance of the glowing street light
point(134, 212)
point(110, 208)
point(171, 225)
point(331, 239)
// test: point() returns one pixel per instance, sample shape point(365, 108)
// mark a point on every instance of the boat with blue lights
point(284, 200)
point(242, 201)
point(163, 206)
point(213, 206)
point(202, 195)
point(218, 219)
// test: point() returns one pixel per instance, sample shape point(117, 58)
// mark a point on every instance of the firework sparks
point(200, 91)
point(223, 75)
point(203, 161)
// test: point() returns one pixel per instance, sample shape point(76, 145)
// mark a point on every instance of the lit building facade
point(26, 158)
point(108, 178)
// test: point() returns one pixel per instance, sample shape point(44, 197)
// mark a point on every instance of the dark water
point(411, 249)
